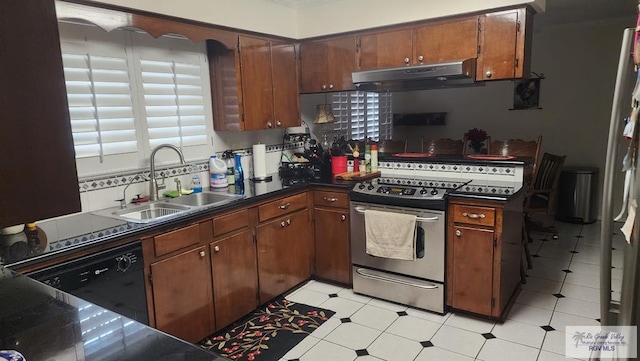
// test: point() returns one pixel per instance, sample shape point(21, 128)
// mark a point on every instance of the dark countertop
point(44, 323)
point(484, 190)
point(450, 158)
point(71, 233)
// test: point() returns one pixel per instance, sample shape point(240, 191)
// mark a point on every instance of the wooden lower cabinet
point(235, 277)
point(283, 253)
point(333, 257)
point(182, 295)
point(484, 251)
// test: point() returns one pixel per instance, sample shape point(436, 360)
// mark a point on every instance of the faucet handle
point(123, 203)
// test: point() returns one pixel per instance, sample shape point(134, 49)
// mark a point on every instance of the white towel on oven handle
point(390, 234)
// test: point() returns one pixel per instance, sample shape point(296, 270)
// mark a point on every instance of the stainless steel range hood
point(427, 76)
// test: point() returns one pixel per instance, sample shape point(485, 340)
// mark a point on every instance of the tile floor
point(561, 290)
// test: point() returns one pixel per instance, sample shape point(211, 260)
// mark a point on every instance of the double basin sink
point(168, 208)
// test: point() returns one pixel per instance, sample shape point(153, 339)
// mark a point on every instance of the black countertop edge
point(455, 159)
point(503, 198)
point(44, 323)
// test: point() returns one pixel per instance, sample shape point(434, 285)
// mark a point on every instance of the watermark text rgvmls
point(612, 342)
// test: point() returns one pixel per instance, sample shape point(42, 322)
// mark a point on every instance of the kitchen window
point(362, 115)
point(129, 92)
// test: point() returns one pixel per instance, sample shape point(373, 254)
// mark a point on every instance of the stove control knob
point(361, 186)
point(385, 190)
point(370, 187)
point(423, 191)
point(434, 192)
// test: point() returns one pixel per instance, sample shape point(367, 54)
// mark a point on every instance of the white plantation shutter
point(361, 115)
point(100, 104)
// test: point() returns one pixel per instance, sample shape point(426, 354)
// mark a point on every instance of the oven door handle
point(419, 219)
point(363, 272)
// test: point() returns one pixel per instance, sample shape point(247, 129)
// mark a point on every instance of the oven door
point(429, 261)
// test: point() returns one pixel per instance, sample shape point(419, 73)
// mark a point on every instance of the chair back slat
point(392, 146)
point(442, 146)
point(547, 178)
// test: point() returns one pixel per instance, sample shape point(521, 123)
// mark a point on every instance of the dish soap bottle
point(196, 185)
point(238, 172)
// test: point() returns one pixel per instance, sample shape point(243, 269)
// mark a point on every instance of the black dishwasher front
point(113, 279)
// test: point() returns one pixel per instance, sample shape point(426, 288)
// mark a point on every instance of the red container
point(338, 164)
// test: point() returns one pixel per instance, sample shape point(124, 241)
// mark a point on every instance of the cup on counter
point(338, 164)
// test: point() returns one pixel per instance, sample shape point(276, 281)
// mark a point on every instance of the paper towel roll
point(259, 161)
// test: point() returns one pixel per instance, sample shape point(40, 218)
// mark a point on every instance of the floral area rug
point(267, 333)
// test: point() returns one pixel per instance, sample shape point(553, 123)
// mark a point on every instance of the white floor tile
point(541, 285)
point(552, 263)
point(324, 350)
point(617, 273)
point(439, 354)
point(369, 358)
point(323, 287)
point(554, 342)
point(350, 295)
point(559, 253)
point(458, 340)
point(374, 317)
point(387, 305)
point(518, 332)
point(583, 279)
point(326, 328)
point(578, 307)
point(561, 320)
point(500, 350)
point(589, 258)
point(429, 316)
point(537, 299)
point(353, 336)
point(552, 274)
point(580, 292)
point(550, 356)
point(532, 315)
point(342, 307)
point(298, 350)
point(392, 347)
point(470, 323)
point(308, 297)
point(585, 268)
point(413, 328)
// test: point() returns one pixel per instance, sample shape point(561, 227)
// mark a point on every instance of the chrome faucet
point(153, 183)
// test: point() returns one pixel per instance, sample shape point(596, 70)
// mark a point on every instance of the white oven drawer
point(405, 290)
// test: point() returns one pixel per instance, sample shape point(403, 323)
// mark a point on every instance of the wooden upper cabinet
point(504, 38)
point(385, 50)
point(286, 102)
point(35, 131)
point(327, 65)
point(255, 86)
point(447, 41)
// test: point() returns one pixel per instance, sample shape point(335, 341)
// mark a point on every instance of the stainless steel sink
point(145, 213)
point(205, 199)
point(168, 208)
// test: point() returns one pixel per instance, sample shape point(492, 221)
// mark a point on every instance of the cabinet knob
point(202, 254)
point(283, 223)
point(406, 60)
point(284, 206)
point(330, 200)
point(458, 233)
point(488, 74)
point(216, 248)
point(330, 86)
point(278, 123)
point(269, 125)
point(420, 58)
point(343, 217)
point(324, 86)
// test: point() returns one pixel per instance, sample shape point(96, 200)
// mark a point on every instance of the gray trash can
point(578, 195)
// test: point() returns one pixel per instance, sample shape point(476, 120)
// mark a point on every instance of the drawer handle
point(361, 210)
point(473, 215)
point(330, 199)
point(284, 206)
point(363, 272)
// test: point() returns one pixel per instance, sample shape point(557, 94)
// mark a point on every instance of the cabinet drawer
point(282, 206)
point(474, 215)
point(175, 240)
point(330, 199)
point(230, 222)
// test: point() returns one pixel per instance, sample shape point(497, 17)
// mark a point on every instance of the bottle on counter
point(238, 171)
point(367, 157)
point(196, 185)
point(217, 172)
point(228, 158)
point(374, 157)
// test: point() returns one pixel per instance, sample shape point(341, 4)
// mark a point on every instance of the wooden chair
point(442, 146)
point(542, 195)
point(519, 148)
point(466, 148)
point(392, 146)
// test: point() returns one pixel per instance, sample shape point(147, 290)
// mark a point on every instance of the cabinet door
point(235, 277)
point(385, 50)
point(182, 297)
point(286, 97)
point(257, 83)
point(35, 131)
point(333, 258)
point(313, 67)
point(341, 58)
point(497, 58)
point(455, 40)
point(471, 279)
point(284, 247)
